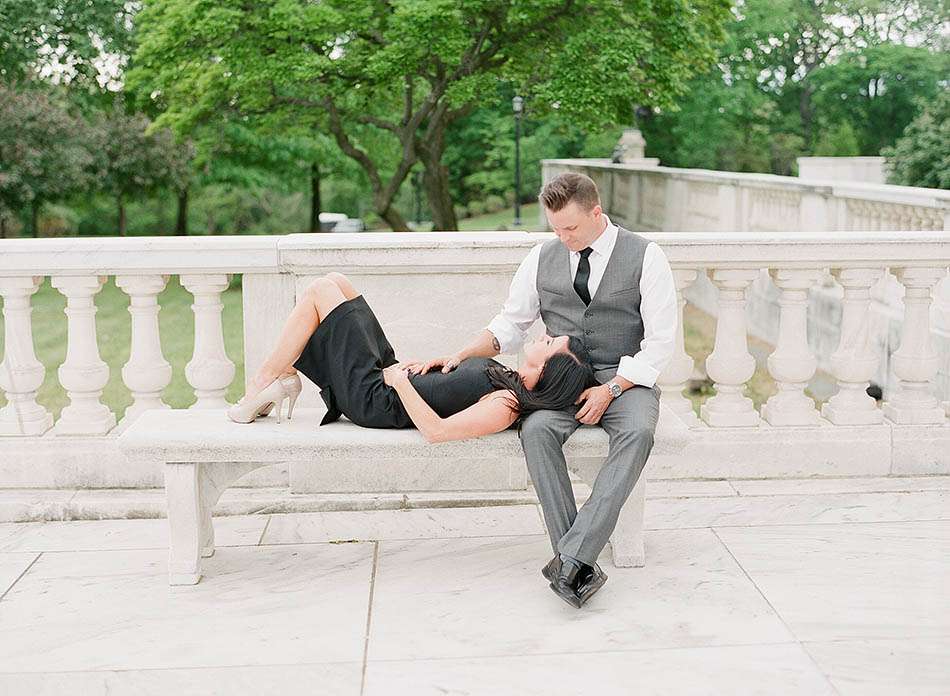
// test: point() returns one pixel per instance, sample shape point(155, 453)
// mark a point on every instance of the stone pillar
point(854, 363)
point(673, 379)
point(147, 373)
point(915, 361)
point(792, 363)
point(21, 374)
point(731, 365)
point(83, 374)
point(209, 371)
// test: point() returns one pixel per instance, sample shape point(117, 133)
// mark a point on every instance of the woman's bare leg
point(319, 299)
point(346, 287)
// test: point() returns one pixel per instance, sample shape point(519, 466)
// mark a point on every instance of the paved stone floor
point(772, 587)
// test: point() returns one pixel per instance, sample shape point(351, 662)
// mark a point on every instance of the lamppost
point(517, 105)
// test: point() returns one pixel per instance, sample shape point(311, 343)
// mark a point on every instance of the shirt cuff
point(636, 369)
point(509, 337)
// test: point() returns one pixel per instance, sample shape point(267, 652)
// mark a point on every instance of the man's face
point(576, 227)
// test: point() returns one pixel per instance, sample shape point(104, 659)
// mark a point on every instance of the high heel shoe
point(246, 410)
point(293, 387)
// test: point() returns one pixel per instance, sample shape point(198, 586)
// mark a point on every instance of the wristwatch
point(615, 389)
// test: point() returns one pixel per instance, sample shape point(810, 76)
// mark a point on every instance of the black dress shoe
point(553, 567)
point(589, 580)
point(564, 584)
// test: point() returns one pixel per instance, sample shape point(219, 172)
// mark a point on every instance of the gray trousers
point(630, 421)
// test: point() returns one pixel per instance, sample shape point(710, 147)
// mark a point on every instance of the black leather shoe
point(564, 584)
point(551, 570)
point(589, 580)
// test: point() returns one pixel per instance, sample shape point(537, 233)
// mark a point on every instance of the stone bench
point(203, 453)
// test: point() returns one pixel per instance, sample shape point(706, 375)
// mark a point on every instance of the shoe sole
point(573, 602)
point(590, 590)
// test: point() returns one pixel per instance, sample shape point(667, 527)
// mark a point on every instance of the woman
point(333, 337)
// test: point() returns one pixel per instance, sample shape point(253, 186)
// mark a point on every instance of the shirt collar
point(603, 245)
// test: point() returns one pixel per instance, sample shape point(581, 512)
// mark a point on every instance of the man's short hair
point(568, 187)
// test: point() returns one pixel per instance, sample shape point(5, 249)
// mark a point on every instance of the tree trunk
point(35, 217)
point(121, 207)
point(314, 197)
point(3, 226)
point(805, 113)
point(181, 225)
point(394, 218)
point(435, 179)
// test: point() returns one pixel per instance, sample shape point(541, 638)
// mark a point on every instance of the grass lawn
point(504, 220)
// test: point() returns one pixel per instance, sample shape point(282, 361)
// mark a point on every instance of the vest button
point(588, 331)
point(588, 314)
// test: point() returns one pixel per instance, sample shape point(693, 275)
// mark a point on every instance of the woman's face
point(538, 351)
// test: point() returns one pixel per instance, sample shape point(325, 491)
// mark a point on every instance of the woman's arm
point(491, 415)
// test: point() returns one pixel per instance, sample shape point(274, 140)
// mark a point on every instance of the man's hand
point(395, 375)
point(447, 363)
point(595, 400)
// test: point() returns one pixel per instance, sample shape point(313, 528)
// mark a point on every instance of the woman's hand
point(396, 375)
point(447, 363)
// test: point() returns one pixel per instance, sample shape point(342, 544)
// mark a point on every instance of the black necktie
point(583, 275)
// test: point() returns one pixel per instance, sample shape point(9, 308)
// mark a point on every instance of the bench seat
point(203, 453)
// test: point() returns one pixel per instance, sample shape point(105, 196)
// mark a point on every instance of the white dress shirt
point(657, 306)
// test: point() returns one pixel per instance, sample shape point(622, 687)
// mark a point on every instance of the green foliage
point(838, 141)
point(921, 156)
point(875, 91)
point(799, 77)
point(43, 150)
point(387, 79)
point(62, 38)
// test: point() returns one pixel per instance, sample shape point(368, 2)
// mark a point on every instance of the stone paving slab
point(453, 602)
point(112, 610)
point(765, 669)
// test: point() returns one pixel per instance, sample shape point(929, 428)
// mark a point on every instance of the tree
point(387, 79)
point(44, 152)
point(63, 41)
point(876, 91)
point(921, 156)
point(792, 72)
point(133, 163)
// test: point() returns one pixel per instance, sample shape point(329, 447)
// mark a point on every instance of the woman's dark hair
point(563, 378)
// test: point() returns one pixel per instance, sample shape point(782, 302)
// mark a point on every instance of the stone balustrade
point(432, 291)
point(651, 198)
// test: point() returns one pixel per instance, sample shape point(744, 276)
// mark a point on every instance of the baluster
point(209, 371)
point(147, 372)
point(915, 361)
point(854, 362)
point(83, 374)
point(21, 374)
point(673, 379)
point(792, 363)
point(731, 365)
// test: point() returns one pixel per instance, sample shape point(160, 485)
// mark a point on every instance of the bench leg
point(182, 492)
point(626, 542)
point(207, 497)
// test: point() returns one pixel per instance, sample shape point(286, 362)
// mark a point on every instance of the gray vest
point(610, 326)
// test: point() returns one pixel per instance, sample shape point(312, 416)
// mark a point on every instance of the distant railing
point(433, 290)
point(702, 200)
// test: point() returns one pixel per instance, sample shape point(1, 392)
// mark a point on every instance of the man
point(614, 289)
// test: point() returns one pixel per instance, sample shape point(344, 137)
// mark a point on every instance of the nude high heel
point(293, 387)
point(246, 410)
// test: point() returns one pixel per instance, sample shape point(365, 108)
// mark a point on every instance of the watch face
point(616, 390)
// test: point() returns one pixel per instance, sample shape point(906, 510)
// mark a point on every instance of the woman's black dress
point(345, 357)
